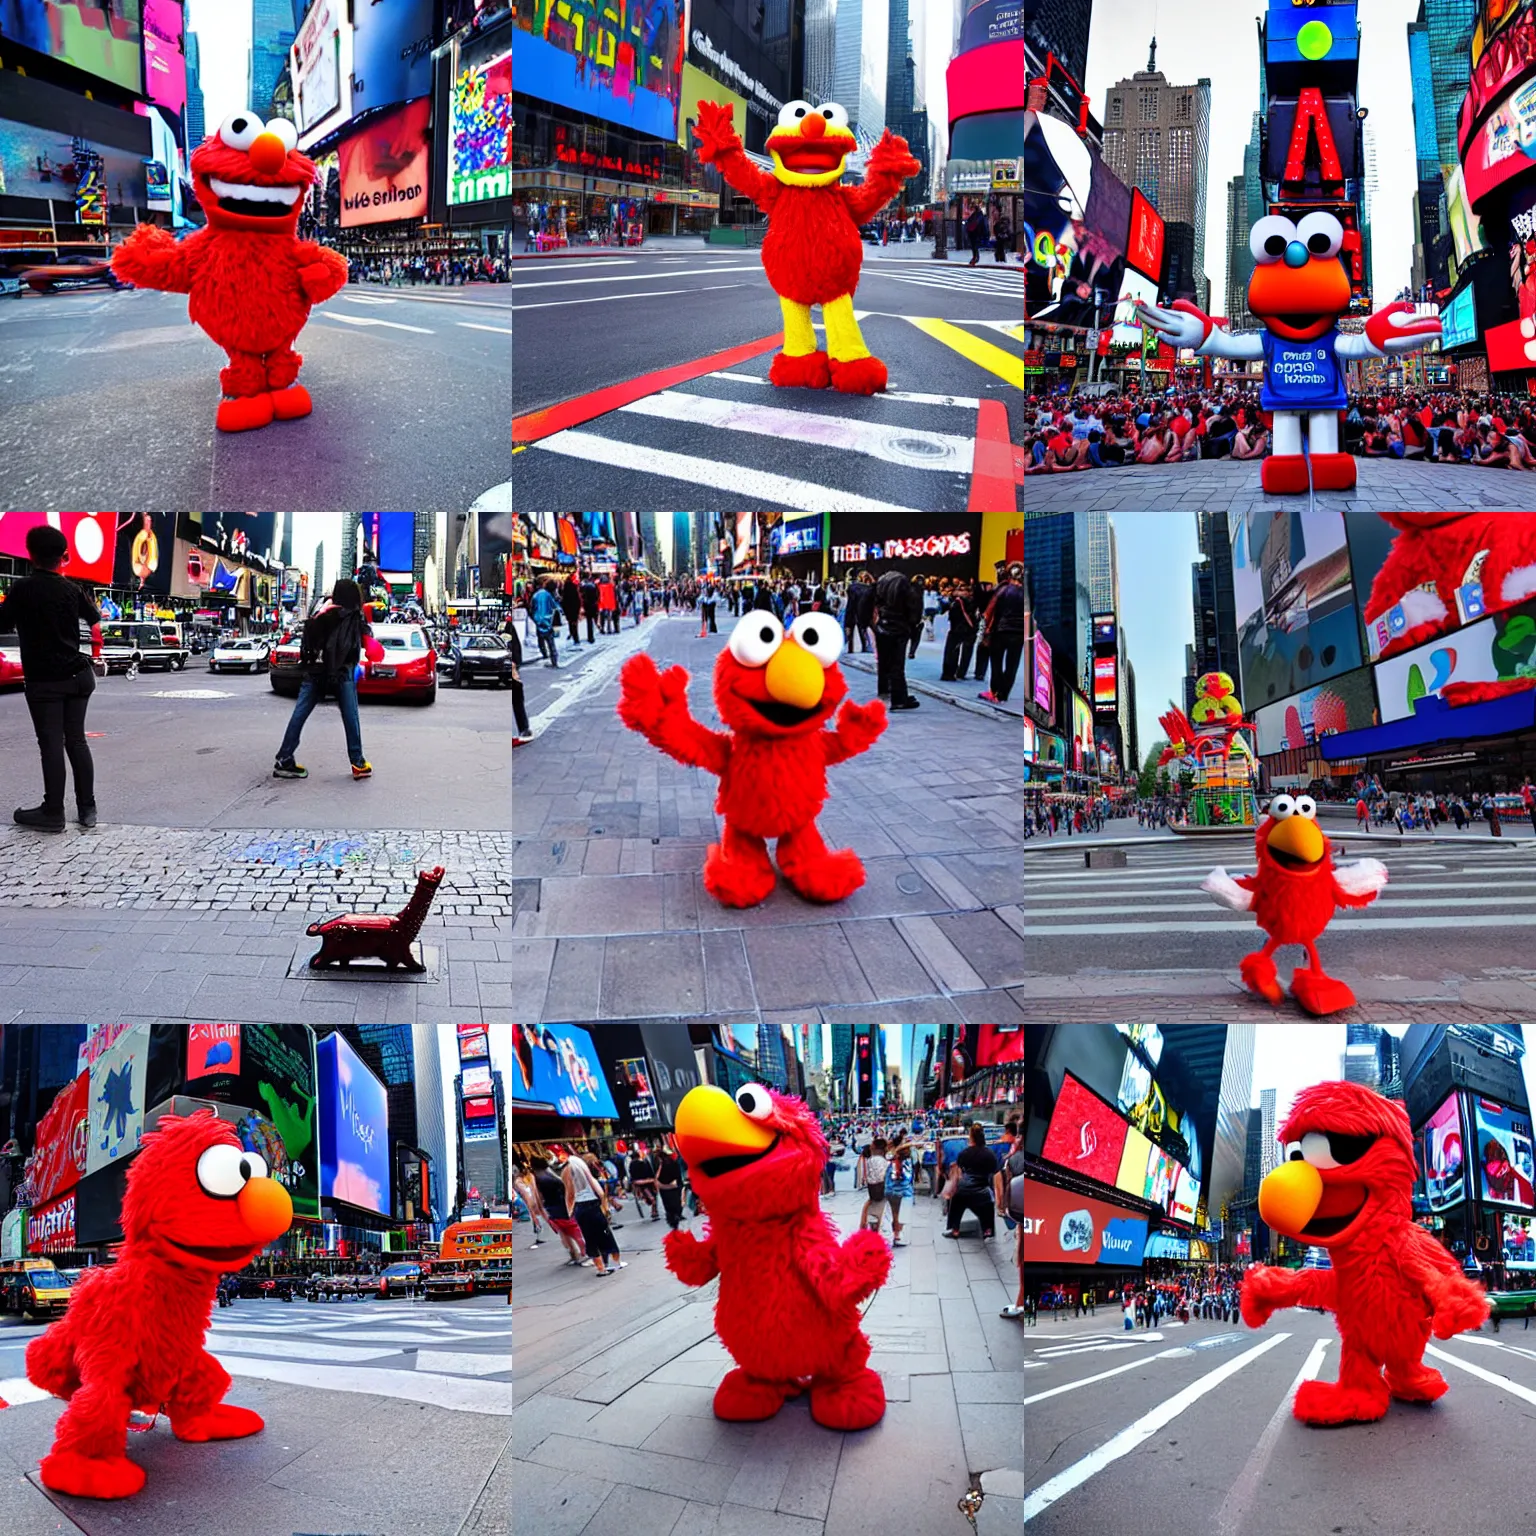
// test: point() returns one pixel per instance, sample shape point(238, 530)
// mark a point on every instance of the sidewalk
point(904, 250)
point(923, 677)
point(614, 1431)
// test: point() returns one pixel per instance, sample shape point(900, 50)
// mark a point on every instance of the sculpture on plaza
point(1212, 737)
point(386, 936)
point(1293, 894)
point(1346, 1185)
point(198, 1205)
point(250, 280)
point(813, 250)
point(775, 689)
point(788, 1305)
point(1298, 292)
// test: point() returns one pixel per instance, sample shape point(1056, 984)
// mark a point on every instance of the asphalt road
point(1192, 1434)
point(107, 401)
point(725, 439)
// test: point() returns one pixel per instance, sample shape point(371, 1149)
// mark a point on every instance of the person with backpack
point(976, 232)
point(546, 612)
point(873, 1166)
point(1002, 234)
point(334, 641)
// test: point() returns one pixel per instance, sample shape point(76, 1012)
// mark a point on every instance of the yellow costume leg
point(799, 333)
point(801, 364)
point(854, 370)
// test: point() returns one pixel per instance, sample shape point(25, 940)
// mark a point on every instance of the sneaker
point(622, 1264)
point(40, 819)
point(603, 1274)
point(362, 770)
point(898, 1242)
point(906, 704)
point(288, 770)
point(526, 736)
point(1011, 1312)
point(989, 697)
point(86, 815)
point(538, 1242)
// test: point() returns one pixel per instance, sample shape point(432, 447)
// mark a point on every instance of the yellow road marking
point(1007, 367)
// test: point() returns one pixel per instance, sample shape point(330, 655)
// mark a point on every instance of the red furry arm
point(690, 1258)
point(322, 272)
point(841, 1274)
point(858, 728)
point(720, 146)
point(152, 258)
point(1456, 1302)
point(656, 705)
point(889, 165)
point(1266, 1289)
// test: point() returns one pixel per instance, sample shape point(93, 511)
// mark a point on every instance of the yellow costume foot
point(861, 376)
point(809, 371)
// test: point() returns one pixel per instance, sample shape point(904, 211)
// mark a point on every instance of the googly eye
point(792, 111)
point(1281, 807)
point(834, 114)
point(1315, 1150)
point(757, 636)
point(240, 129)
point(818, 635)
point(1268, 238)
point(222, 1171)
point(1321, 233)
point(753, 1101)
point(1293, 1153)
point(1306, 806)
point(281, 129)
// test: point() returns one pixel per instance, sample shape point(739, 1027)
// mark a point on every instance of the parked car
point(407, 670)
point(400, 1280)
point(476, 657)
point(33, 1288)
point(10, 665)
point(67, 272)
point(338, 1287)
point(450, 1279)
point(267, 1288)
point(134, 646)
point(246, 654)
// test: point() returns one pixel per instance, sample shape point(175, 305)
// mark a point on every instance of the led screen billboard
point(1510, 349)
point(145, 548)
point(391, 52)
point(90, 534)
point(1517, 1245)
point(1131, 1176)
point(354, 1128)
point(473, 1044)
point(1104, 686)
point(116, 1099)
point(102, 37)
point(315, 64)
point(1496, 650)
point(1186, 1197)
point(1044, 683)
point(384, 168)
point(1083, 758)
point(58, 1163)
point(1458, 320)
point(1134, 289)
point(1163, 1171)
point(1085, 1134)
point(1503, 147)
point(476, 1080)
point(558, 1066)
point(1061, 1227)
point(1144, 243)
point(1344, 703)
point(1506, 1173)
point(165, 65)
point(480, 131)
point(1104, 631)
point(390, 537)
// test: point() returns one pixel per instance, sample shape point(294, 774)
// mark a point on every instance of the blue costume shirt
point(1302, 375)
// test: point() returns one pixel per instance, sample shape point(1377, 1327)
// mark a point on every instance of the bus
point(478, 1240)
point(474, 1257)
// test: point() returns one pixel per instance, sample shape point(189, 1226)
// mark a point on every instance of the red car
point(10, 664)
point(407, 670)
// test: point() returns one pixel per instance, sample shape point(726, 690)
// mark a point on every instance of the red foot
point(1416, 1384)
point(808, 371)
point(853, 1404)
point(862, 376)
point(1284, 474)
point(1319, 993)
point(290, 403)
point(735, 882)
point(831, 877)
point(244, 414)
point(1333, 472)
point(745, 1399)
point(1326, 1402)
point(1258, 973)
point(224, 1421)
point(88, 1478)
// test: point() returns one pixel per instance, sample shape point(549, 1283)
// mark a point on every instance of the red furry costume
point(1347, 1186)
point(788, 1309)
point(251, 282)
point(1293, 894)
point(813, 250)
point(197, 1205)
point(775, 691)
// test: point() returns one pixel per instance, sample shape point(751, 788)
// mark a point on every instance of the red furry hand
point(143, 255)
point(892, 155)
point(859, 725)
point(320, 279)
point(1265, 1289)
point(1459, 1313)
point(690, 1260)
point(864, 1264)
point(716, 135)
point(646, 696)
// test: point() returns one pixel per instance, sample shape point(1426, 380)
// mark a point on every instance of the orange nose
point(267, 154)
point(265, 1208)
point(814, 126)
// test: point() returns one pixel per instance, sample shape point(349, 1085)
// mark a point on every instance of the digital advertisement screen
point(1085, 1134)
point(1103, 630)
point(391, 52)
point(1045, 685)
point(1082, 735)
point(1506, 1173)
point(91, 535)
point(1517, 1242)
point(165, 64)
point(116, 1099)
point(391, 536)
point(1163, 1171)
point(1131, 1176)
point(1458, 320)
point(1493, 650)
point(102, 38)
point(473, 1043)
point(354, 1128)
point(1104, 686)
point(1134, 289)
point(1186, 1197)
point(315, 62)
point(557, 1065)
point(989, 78)
point(1345, 703)
point(1144, 244)
point(1504, 146)
point(480, 132)
point(1061, 1227)
point(59, 1161)
point(1511, 57)
point(145, 545)
point(384, 167)
point(476, 1080)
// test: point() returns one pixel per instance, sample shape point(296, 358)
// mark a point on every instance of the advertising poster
point(1517, 1245)
point(116, 1095)
point(643, 1108)
point(670, 1051)
point(165, 65)
point(1294, 600)
point(101, 37)
point(1444, 1174)
point(1496, 650)
point(59, 1161)
point(480, 132)
point(1131, 1176)
point(314, 61)
point(354, 1128)
point(1061, 1227)
point(1085, 1134)
point(1163, 1172)
point(51, 1228)
point(480, 1119)
point(146, 544)
point(212, 1048)
point(1104, 692)
point(1345, 703)
point(38, 162)
point(90, 535)
point(391, 52)
point(557, 1065)
point(1144, 245)
point(384, 167)
point(1504, 1161)
point(1186, 1197)
point(473, 1045)
point(1082, 735)
point(476, 1080)
point(1045, 686)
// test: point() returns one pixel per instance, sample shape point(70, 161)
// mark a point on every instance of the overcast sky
point(223, 30)
point(1198, 38)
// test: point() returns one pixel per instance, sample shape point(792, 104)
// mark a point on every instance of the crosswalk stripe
point(470, 325)
point(1347, 924)
point(1383, 901)
point(907, 396)
point(1007, 367)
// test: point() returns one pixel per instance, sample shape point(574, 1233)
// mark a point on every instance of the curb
point(1406, 841)
point(971, 706)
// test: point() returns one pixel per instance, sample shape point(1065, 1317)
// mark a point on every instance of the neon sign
point(936, 545)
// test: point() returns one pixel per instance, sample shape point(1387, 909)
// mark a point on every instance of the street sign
point(1091, 341)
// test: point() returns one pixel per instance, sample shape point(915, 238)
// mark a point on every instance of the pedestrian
point(898, 1184)
point(898, 614)
point(976, 232)
point(335, 639)
point(1362, 814)
point(45, 609)
point(588, 605)
point(669, 1184)
point(961, 634)
point(570, 606)
point(708, 601)
point(1004, 628)
point(870, 1177)
point(552, 1198)
point(856, 615)
point(642, 1181)
point(977, 1165)
point(607, 607)
point(546, 606)
point(589, 1200)
point(527, 1191)
point(1002, 234)
point(519, 701)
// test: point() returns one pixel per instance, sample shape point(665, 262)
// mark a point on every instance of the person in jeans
point(333, 644)
point(898, 616)
point(519, 700)
point(45, 609)
point(545, 609)
point(870, 1177)
point(977, 1167)
point(1004, 624)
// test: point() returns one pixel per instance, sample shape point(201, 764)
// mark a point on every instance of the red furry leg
point(1415, 1383)
point(247, 404)
point(87, 1458)
point(814, 870)
point(1317, 992)
point(745, 1399)
point(736, 869)
point(1357, 1397)
point(853, 1403)
point(282, 367)
point(51, 1362)
point(224, 1421)
point(1258, 973)
point(859, 376)
point(289, 400)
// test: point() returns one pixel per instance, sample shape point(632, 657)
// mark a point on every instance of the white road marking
point(186, 693)
point(597, 675)
point(1512, 1349)
point(645, 277)
point(1142, 1429)
point(470, 325)
point(1382, 902)
point(497, 499)
point(367, 298)
point(909, 447)
point(1088, 1381)
point(564, 263)
point(17, 1389)
point(393, 325)
point(660, 293)
point(1492, 1377)
point(1085, 1349)
point(456, 1393)
point(295, 1349)
point(912, 397)
point(805, 495)
point(1348, 925)
point(461, 1363)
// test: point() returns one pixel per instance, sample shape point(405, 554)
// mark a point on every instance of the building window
point(1117, 109)
point(1185, 107)
point(1149, 153)
point(1149, 106)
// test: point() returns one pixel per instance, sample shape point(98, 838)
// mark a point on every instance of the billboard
point(1104, 631)
point(384, 169)
point(1131, 1176)
point(354, 1128)
point(1065, 1228)
point(51, 1228)
point(1104, 688)
point(476, 1080)
point(102, 37)
point(1134, 289)
point(1510, 348)
point(480, 131)
point(1294, 601)
point(1506, 1173)
point(1509, 60)
point(622, 63)
point(473, 1043)
point(1186, 1197)
point(146, 544)
point(1458, 320)
point(59, 1160)
point(165, 65)
point(558, 1066)
point(991, 21)
point(676, 1068)
point(1144, 242)
point(1085, 1134)
point(1083, 756)
point(391, 52)
point(1045, 687)
point(1345, 703)
point(116, 1095)
point(315, 64)
point(1517, 1241)
point(90, 535)
point(1503, 147)
point(390, 537)
point(1493, 651)
point(643, 1108)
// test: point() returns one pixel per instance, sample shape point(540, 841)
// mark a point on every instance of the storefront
point(1076, 1243)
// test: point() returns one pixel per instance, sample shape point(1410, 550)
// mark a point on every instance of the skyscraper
point(1062, 27)
point(1215, 607)
point(1269, 1152)
point(1429, 266)
point(1362, 1055)
point(272, 34)
point(863, 32)
point(1060, 565)
point(904, 113)
point(1449, 26)
point(196, 128)
point(820, 50)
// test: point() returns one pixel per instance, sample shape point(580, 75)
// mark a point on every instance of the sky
point(1197, 38)
point(223, 30)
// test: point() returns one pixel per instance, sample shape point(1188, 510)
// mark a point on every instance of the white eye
point(1281, 807)
point(1293, 1151)
point(1321, 233)
point(753, 1102)
point(820, 636)
point(792, 111)
point(1306, 806)
point(756, 637)
point(222, 1170)
point(834, 114)
point(1269, 238)
point(1316, 1150)
point(281, 129)
point(240, 129)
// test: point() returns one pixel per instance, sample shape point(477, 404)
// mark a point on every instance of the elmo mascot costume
point(197, 1205)
point(251, 282)
point(788, 1308)
point(776, 691)
point(1347, 1186)
point(1293, 894)
point(813, 250)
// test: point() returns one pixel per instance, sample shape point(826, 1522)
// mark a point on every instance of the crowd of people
point(1211, 1294)
point(428, 271)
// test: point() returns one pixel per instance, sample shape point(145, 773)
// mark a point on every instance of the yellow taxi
point(33, 1287)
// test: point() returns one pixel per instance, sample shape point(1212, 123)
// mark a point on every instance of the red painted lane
point(992, 469)
point(572, 413)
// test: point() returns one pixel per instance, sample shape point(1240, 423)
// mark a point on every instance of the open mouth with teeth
point(254, 201)
point(1291, 862)
point(715, 1167)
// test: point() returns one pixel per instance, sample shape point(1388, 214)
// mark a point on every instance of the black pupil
point(810, 637)
point(1275, 244)
point(748, 1102)
point(826, 112)
point(799, 111)
point(1319, 242)
point(766, 636)
point(1349, 1149)
point(238, 126)
point(1296, 1156)
point(245, 1169)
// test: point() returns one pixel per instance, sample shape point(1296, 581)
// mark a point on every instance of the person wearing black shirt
point(519, 701)
point(331, 667)
point(898, 619)
point(961, 636)
point(642, 1181)
point(669, 1179)
point(1004, 624)
point(978, 1167)
point(551, 1190)
point(45, 609)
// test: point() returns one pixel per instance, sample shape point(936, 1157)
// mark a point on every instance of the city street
point(669, 406)
point(336, 1382)
point(1191, 1426)
point(611, 918)
point(107, 400)
point(614, 1430)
